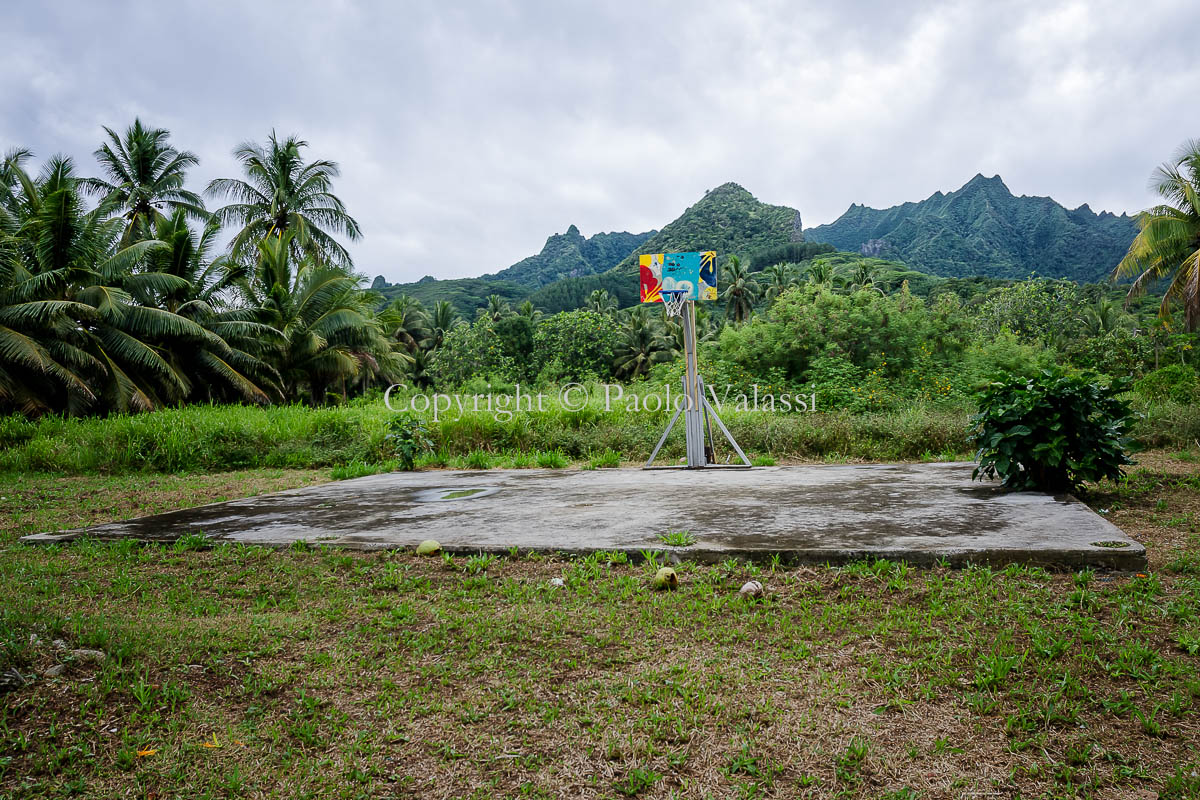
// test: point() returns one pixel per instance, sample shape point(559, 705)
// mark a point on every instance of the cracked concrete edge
point(1126, 559)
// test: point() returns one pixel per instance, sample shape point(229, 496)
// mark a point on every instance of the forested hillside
point(727, 219)
point(565, 255)
point(570, 255)
point(467, 295)
point(983, 229)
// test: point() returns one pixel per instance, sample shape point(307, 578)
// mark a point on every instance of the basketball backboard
point(695, 273)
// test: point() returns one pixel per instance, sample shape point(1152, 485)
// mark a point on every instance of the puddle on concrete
point(446, 493)
point(457, 493)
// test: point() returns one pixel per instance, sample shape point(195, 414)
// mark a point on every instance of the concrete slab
point(921, 513)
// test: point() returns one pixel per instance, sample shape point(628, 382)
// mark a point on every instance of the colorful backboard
point(695, 273)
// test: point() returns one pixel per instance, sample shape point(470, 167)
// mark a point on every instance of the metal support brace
point(696, 410)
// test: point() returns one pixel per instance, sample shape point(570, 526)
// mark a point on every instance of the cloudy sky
point(468, 132)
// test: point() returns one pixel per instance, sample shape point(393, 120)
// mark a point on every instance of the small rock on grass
point(557, 582)
point(54, 672)
point(11, 679)
point(88, 656)
point(752, 590)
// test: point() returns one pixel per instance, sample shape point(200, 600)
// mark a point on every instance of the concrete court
point(921, 513)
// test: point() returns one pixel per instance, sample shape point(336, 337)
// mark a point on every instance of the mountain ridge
point(571, 255)
point(564, 255)
point(728, 219)
point(982, 228)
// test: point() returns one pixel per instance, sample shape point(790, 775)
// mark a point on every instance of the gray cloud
point(469, 132)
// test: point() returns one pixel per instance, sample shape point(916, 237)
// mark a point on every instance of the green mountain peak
point(728, 219)
point(983, 229)
point(571, 255)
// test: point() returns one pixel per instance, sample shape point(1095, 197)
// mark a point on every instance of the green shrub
point(409, 439)
point(1175, 382)
point(1050, 432)
point(469, 351)
point(575, 345)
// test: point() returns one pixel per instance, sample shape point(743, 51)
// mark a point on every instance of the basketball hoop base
point(697, 412)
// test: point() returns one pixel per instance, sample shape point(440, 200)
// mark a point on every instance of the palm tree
point(779, 277)
point(1104, 316)
point(143, 175)
point(329, 332)
point(821, 273)
point(862, 277)
point(741, 290)
point(230, 361)
point(405, 321)
point(37, 362)
point(529, 312)
point(1167, 246)
point(444, 318)
point(642, 345)
point(419, 370)
point(497, 308)
point(601, 302)
point(708, 324)
point(282, 194)
point(69, 259)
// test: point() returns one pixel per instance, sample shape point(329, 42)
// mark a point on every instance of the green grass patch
point(358, 469)
point(678, 538)
point(215, 438)
point(478, 675)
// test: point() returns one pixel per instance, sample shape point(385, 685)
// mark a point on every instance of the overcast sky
point(468, 132)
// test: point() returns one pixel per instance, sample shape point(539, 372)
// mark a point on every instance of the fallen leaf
point(149, 751)
point(212, 742)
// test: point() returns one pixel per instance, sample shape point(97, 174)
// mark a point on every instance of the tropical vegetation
point(124, 293)
point(1167, 247)
point(125, 304)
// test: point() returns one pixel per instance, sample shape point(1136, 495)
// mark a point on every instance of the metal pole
point(694, 414)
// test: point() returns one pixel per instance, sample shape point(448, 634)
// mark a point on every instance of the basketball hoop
point(692, 278)
point(673, 300)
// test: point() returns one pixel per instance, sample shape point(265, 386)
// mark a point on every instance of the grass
point(678, 538)
point(358, 469)
point(352, 438)
point(235, 671)
point(217, 438)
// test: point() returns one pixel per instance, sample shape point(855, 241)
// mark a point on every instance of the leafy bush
point(579, 344)
point(1050, 432)
point(812, 335)
point(409, 439)
point(1035, 310)
point(469, 351)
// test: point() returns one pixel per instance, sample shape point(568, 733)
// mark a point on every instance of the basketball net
point(673, 301)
